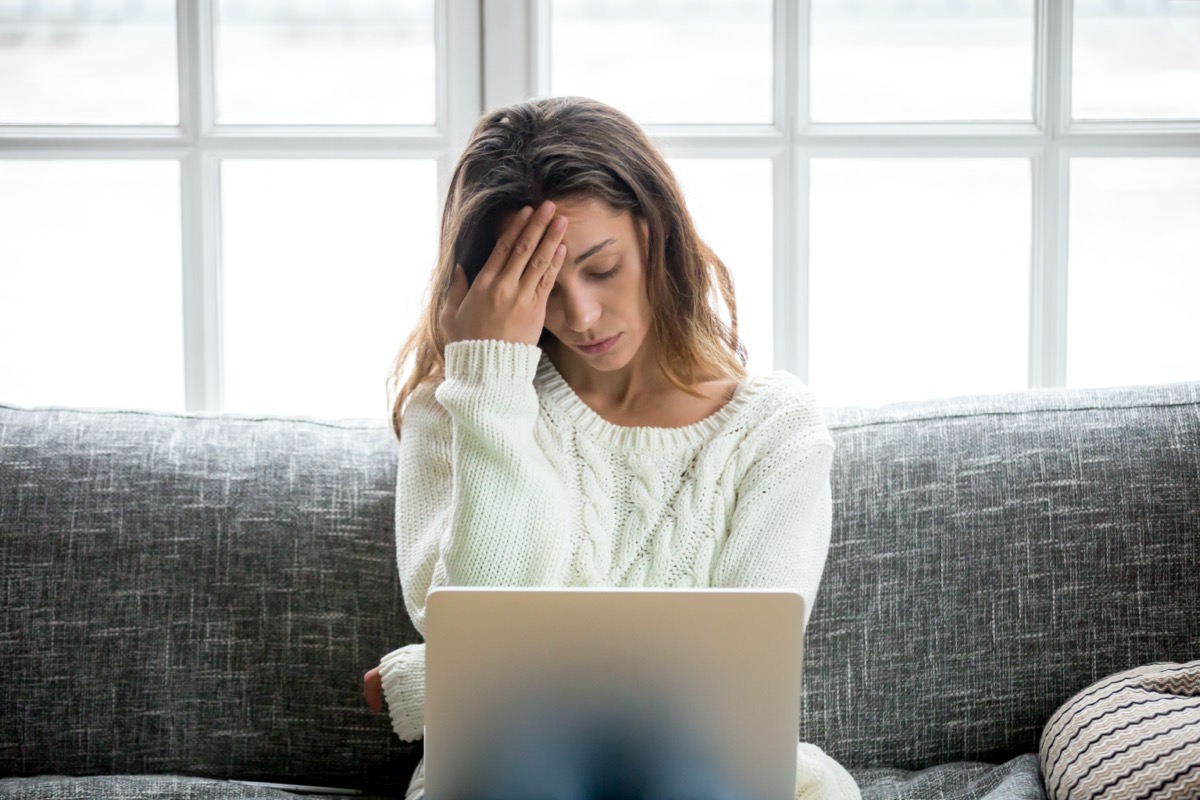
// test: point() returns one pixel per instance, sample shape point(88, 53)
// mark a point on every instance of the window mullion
point(791, 299)
point(460, 61)
point(200, 208)
point(540, 54)
point(512, 45)
point(1048, 275)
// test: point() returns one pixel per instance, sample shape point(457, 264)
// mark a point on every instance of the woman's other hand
point(507, 301)
point(373, 689)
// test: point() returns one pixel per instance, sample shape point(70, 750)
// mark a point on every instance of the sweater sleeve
point(779, 538)
point(477, 502)
point(781, 522)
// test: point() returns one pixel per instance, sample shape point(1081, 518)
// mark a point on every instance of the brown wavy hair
point(555, 148)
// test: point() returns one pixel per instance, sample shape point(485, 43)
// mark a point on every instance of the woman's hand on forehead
point(507, 301)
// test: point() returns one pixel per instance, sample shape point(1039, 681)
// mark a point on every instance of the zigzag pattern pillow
point(1133, 735)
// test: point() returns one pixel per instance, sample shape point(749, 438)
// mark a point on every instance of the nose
point(580, 310)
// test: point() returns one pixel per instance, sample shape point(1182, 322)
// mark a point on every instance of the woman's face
point(599, 309)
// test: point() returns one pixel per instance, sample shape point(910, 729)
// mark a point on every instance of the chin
point(620, 357)
point(609, 362)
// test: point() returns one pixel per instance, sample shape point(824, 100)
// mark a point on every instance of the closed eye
point(603, 276)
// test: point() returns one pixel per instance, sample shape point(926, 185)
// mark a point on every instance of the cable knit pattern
point(506, 478)
point(595, 556)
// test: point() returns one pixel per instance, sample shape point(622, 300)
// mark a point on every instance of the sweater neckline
point(584, 418)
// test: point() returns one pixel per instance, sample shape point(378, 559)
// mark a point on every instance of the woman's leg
point(583, 750)
point(540, 758)
point(659, 765)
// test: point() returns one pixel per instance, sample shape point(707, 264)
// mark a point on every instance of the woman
point(573, 411)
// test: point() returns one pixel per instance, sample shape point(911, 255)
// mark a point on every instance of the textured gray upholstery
point(196, 595)
point(143, 787)
point(1017, 779)
point(199, 596)
point(992, 556)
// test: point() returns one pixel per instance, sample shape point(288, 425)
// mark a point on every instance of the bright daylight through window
point(232, 205)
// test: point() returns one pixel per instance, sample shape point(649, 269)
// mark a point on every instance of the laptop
point(634, 685)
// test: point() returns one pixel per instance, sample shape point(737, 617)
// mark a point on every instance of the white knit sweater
point(506, 478)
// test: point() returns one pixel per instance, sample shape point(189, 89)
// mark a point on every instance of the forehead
point(588, 218)
point(588, 212)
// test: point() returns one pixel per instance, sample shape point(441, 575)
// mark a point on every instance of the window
point(948, 187)
point(222, 205)
point(231, 205)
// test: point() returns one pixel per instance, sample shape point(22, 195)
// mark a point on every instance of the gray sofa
point(189, 599)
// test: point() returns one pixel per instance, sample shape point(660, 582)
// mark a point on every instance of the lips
point(601, 346)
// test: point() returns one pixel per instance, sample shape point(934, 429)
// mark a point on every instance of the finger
point(543, 257)
point(527, 243)
point(546, 283)
point(505, 244)
point(373, 690)
point(458, 288)
point(454, 298)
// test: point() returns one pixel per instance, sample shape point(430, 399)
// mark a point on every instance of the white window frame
point(1049, 142)
point(199, 146)
point(494, 52)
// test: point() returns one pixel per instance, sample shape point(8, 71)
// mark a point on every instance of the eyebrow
point(592, 251)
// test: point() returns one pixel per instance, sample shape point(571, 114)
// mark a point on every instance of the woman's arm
point(779, 538)
point(477, 502)
point(509, 514)
point(780, 527)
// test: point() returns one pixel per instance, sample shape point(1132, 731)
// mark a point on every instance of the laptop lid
point(714, 673)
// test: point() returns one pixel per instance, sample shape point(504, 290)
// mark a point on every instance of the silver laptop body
point(710, 675)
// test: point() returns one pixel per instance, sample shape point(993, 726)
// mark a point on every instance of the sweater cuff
point(482, 360)
point(403, 674)
point(819, 777)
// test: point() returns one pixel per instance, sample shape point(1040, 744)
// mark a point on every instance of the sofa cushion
point(200, 595)
point(1017, 779)
point(1134, 734)
point(197, 595)
point(993, 555)
point(140, 787)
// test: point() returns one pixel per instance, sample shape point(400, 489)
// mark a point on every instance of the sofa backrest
point(992, 556)
point(201, 595)
point(196, 595)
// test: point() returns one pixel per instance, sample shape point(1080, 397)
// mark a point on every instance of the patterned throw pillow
point(1135, 734)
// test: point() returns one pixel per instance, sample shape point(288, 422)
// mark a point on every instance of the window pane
point(1136, 59)
point(919, 278)
point(731, 201)
point(90, 284)
point(282, 63)
point(666, 62)
point(106, 63)
point(1134, 271)
point(901, 61)
point(324, 268)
